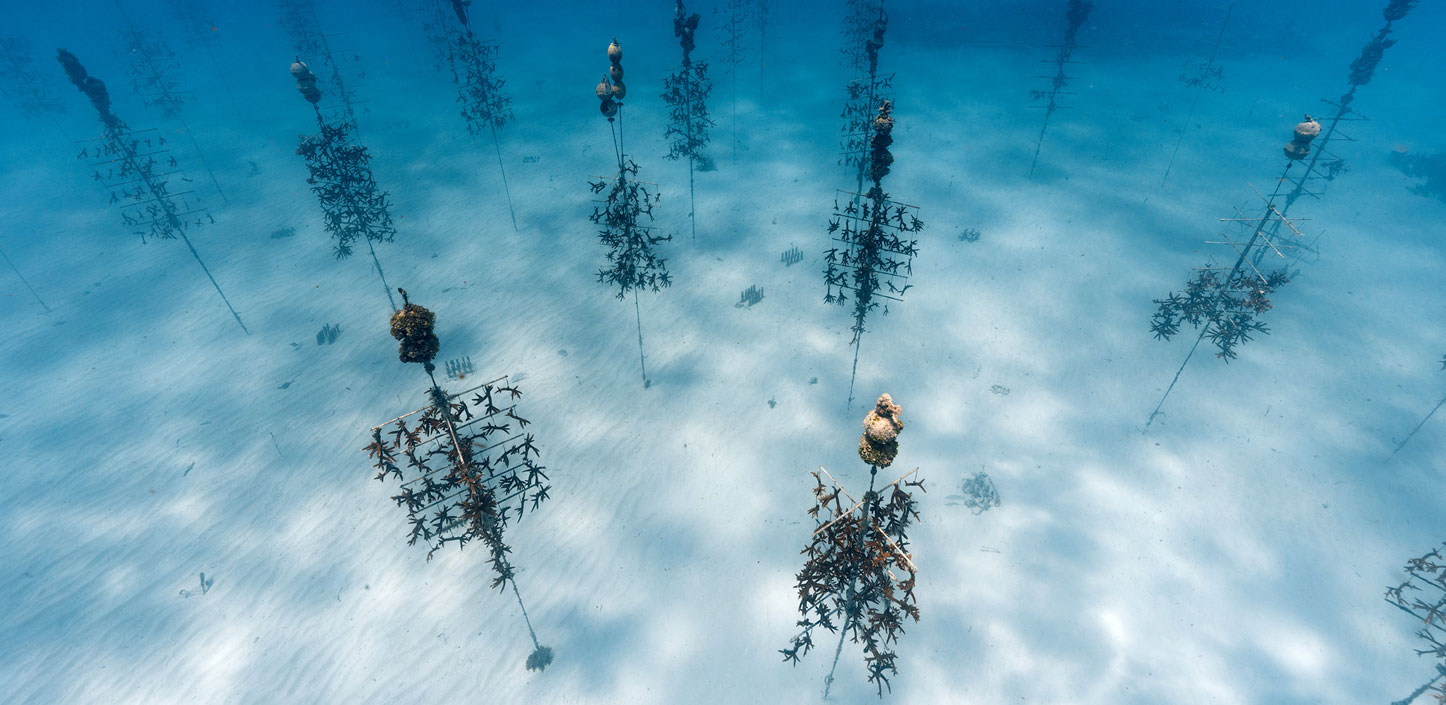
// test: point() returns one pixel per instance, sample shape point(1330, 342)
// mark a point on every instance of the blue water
point(190, 515)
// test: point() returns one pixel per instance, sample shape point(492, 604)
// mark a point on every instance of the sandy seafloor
point(1235, 553)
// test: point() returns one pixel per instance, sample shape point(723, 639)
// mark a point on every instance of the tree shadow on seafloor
point(1428, 169)
point(589, 639)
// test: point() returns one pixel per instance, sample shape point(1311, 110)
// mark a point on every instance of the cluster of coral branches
point(479, 87)
point(152, 68)
point(1423, 596)
point(1225, 302)
point(622, 217)
point(467, 470)
point(22, 83)
point(341, 177)
point(858, 579)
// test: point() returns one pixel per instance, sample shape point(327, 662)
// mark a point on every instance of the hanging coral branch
point(686, 92)
point(137, 168)
point(353, 206)
point(873, 257)
point(466, 466)
point(858, 579)
point(1075, 15)
point(624, 215)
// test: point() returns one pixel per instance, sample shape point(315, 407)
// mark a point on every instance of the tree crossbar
point(904, 557)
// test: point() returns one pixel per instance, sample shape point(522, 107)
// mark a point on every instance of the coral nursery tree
point(625, 212)
point(484, 106)
point(736, 16)
point(303, 27)
point(872, 256)
point(1201, 77)
point(1076, 12)
point(195, 20)
point(1223, 304)
point(858, 579)
point(152, 66)
point(466, 465)
point(1324, 165)
point(340, 174)
point(1423, 596)
point(138, 170)
point(686, 93)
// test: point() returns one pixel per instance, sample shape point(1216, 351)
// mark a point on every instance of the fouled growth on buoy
point(880, 441)
point(412, 327)
point(1299, 146)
